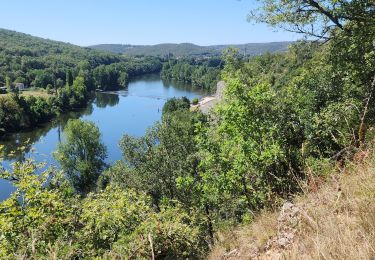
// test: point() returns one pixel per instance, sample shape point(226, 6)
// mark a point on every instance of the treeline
point(199, 73)
point(192, 50)
point(118, 75)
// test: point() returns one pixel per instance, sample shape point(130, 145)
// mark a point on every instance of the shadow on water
point(168, 83)
point(17, 146)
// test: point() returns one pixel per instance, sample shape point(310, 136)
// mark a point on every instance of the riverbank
point(208, 102)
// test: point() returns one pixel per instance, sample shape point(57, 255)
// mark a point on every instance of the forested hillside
point(31, 59)
point(188, 49)
point(286, 119)
point(38, 62)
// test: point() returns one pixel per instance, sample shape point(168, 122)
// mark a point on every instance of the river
point(130, 111)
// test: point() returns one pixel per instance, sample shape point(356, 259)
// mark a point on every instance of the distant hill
point(189, 49)
point(39, 62)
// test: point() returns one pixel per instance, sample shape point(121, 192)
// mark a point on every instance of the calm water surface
point(129, 111)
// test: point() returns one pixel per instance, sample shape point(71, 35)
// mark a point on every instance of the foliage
point(166, 151)
point(43, 218)
point(194, 101)
point(175, 104)
point(39, 214)
point(18, 112)
point(197, 74)
point(171, 233)
point(109, 216)
point(82, 155)
point(117, 75)
point(316, 18)
point(10, 114)
point(252, 153)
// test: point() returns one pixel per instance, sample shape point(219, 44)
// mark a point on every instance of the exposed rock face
point(220, 90)
point(287, 224)
point(207, 103)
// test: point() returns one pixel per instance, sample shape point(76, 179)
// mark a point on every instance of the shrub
point(195, 101)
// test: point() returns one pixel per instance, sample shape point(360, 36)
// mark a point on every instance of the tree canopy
point(316, 18)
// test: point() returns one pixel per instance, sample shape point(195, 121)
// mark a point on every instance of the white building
point(20, 86)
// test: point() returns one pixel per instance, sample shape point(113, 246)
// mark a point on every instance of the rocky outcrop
point(288, 220)
point(207, 103)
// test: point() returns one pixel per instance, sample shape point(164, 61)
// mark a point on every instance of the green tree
point(175, 104)
point(45, 213)
point(40, 212)
point(316, 18)
point(69, 78)
point(20, 80)
point(59, 83)
point(82, 155)
point(8, 82)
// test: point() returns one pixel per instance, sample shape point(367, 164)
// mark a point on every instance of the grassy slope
point(331, 220)
point(32, 92)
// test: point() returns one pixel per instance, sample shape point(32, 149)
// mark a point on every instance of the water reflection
point(17, 146)
point(106, 99)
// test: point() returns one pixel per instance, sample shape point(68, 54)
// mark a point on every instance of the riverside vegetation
point(284, 119)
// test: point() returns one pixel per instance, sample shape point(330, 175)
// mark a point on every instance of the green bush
point(171, 233)
point(194, 101)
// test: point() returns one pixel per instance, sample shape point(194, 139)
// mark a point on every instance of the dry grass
point(36, 93)
point(33, 92)
point(335, 222)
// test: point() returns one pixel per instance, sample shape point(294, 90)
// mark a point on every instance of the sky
point(89, 22)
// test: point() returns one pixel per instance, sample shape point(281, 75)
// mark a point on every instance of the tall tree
point(69, 78)
point(8, 82)
point(82, 155)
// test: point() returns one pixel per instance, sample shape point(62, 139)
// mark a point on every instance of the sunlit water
point(130, 111)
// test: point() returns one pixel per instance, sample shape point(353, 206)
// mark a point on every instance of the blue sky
point(88, 22)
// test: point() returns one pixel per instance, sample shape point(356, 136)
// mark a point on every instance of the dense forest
point(37, 62)
point(192, 50)
point(283, 117)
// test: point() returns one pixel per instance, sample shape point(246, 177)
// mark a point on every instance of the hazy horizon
point(177, 43)
point(139, 22)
